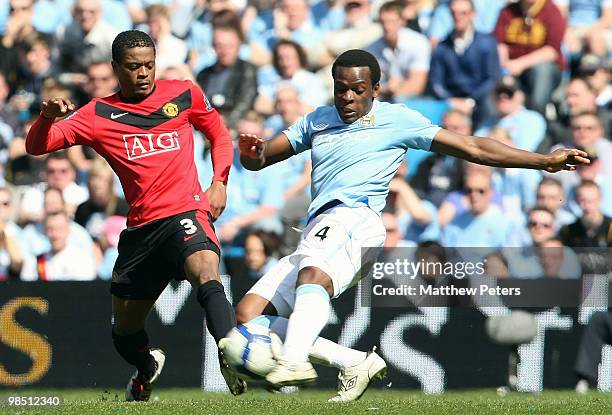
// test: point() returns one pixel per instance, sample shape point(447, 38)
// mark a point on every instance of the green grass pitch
point(313, 402)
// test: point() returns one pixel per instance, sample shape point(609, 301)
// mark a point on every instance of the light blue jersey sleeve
point(299, 135)
point(415, 130)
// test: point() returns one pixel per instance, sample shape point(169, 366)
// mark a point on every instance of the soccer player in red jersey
point(144, 132)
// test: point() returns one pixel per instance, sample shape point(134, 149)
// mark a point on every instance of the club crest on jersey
point(170, 109)
point(145, 145)
point(367, 120)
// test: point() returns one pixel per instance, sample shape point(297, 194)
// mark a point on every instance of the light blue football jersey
point(354, 163)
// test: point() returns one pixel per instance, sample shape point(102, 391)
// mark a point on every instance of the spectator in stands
point(7, 114)
point(587, 132)
point(107, 247)
point(596, 70)
point(254, 197)
point(588, 25)
point(517, 187)
point(543, 256)
point(260, 253)
point(597, 334)
point(484, 224)
point(581, 98)
point(417, 14)
point(19, 24)
point(527, 128)
point(101, 80)
point(287, 109)
point(403, 54)
point(11, 253)
point(418, 219)
point(63, 261)
point(88, 38)
point(593, 172)
point(102, 202)
point(35, 67)
point(289, 66)
point(465, 65)
point(23, 169)
point(529, 33)
point(593, 228)
point(437, 175)
point(33, 236)
point(169, 50)
point(557, 261)
point(328, 14)
point(181, 72)
point(487, 12)
point(541, 225)
point(358, 31)
point(231, 83)
point(60, 174)
point(295, 171)
point(550, 196)
point(199, 23)
point(292, 20)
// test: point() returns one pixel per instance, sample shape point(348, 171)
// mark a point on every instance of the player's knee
point(202, 267)
point(311, 275)
point(203, 274)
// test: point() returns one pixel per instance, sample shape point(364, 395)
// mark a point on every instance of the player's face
point(353, 92)
point(136, 72)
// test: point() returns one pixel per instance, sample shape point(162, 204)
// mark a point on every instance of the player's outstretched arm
point(42, 138)
point(255, 153)
point(493, 153)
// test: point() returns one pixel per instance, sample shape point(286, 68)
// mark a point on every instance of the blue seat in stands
point(434, 110)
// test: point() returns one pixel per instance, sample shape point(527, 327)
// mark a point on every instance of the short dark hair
point(130, 39)
point(354, 58)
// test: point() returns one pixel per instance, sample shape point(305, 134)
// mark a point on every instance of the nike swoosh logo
point(115, 116)
point(186, 238)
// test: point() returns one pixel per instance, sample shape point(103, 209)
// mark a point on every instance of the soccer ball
point(252, 350)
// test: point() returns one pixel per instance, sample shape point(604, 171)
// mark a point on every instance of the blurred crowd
point(534, 74)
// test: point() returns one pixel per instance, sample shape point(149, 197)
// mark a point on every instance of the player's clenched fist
point(251, 146)
point(56, 107)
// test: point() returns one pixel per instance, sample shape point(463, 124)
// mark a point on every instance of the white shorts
point(332, 242)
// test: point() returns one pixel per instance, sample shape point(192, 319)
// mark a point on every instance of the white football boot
point(291, 374)
point(354, 380)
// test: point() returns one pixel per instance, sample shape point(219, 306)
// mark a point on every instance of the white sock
point(309, 317)
point(328, 353)
point(323, 351)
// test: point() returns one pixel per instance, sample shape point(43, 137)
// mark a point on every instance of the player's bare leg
point(132, 343)
point(202, 271)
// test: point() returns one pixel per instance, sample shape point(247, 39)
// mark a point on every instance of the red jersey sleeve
point(47, 136)
point(206, 119)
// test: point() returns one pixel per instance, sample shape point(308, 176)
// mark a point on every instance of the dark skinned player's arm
point(256, 154)
point(493, 153)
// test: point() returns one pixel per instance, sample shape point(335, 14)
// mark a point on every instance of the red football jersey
point(148, 144)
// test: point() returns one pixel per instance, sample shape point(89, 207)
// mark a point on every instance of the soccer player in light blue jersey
point(357, 145)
